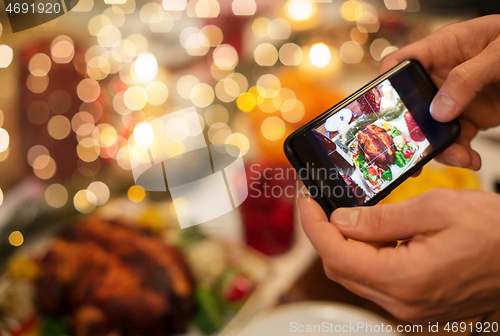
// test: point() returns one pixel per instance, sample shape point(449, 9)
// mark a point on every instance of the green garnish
point(400, 160)
point(395, 132)
point(387, 175)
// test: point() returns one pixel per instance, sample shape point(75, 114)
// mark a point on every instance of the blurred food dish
point(115, 273)
point(302, 317)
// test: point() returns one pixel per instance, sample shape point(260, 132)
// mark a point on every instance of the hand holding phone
point(462, 59)
point(454, 234)
point(357, 152)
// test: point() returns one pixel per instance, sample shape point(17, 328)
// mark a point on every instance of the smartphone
point(359, 150)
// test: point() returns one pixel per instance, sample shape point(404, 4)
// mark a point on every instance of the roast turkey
point(109, 276)
point(377, 146)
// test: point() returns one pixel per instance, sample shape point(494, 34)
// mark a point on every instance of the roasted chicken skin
point(109, 276)
point(377, 146)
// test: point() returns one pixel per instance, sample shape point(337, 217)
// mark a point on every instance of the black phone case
point(297, 164)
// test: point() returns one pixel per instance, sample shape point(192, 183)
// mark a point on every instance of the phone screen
point(373, 140)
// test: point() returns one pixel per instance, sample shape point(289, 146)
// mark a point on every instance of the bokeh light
point(56, 195)
point(35, 152)
point(185, 84)
point(216, 114)
point(290, 54)
point(97, 193)
point(293, 110)
point(213, 35)
point(279, 29)
point(388, 50)
point(62, 49)
point(194, 41)
point(6, 55)
point(44, 167)
point(157, 93)
point(16, 238)
point(300, 10)
point(395, 4)
point(135, 98)
point(218, 133)
point(351, 52)
point(145, 67)
point(136, 194)
point(109, 36)
point(87, 150)
point(244, 7)
point(259, 26)
point(59, 127)
point(377, 48)
point(174, 5)
point(39, 65)
point(266, 54)
point(246, 102)
point(320, 55)
point(4, 140)
point(273, 128)
point(143, 134)
point(350, 10)
point(88, 90)
point(268, 86)
point(239, 140)
point(358, 36)
point(37, 84)
point(225, 57)
point(202, 95)
point(81, 202)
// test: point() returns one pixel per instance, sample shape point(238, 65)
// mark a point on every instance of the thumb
point(390, 222)
point(464, 82)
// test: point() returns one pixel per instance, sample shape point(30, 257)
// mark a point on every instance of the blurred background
point(74, 89)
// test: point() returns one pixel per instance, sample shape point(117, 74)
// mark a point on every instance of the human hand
point(448, 270)
point(463, 60)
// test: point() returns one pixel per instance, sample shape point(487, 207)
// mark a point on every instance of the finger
point(369, 293)
point(389, 222)
point(417, 173)
point(464, 82)
point(417, 51)
point(356, 261)
point(460, 154)
point(309, 209)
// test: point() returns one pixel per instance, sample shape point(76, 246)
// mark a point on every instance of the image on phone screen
point(371, 141)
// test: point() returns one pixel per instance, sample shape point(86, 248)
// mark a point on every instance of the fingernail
point(345, 217)
point(443, 106)
point(452, 161)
